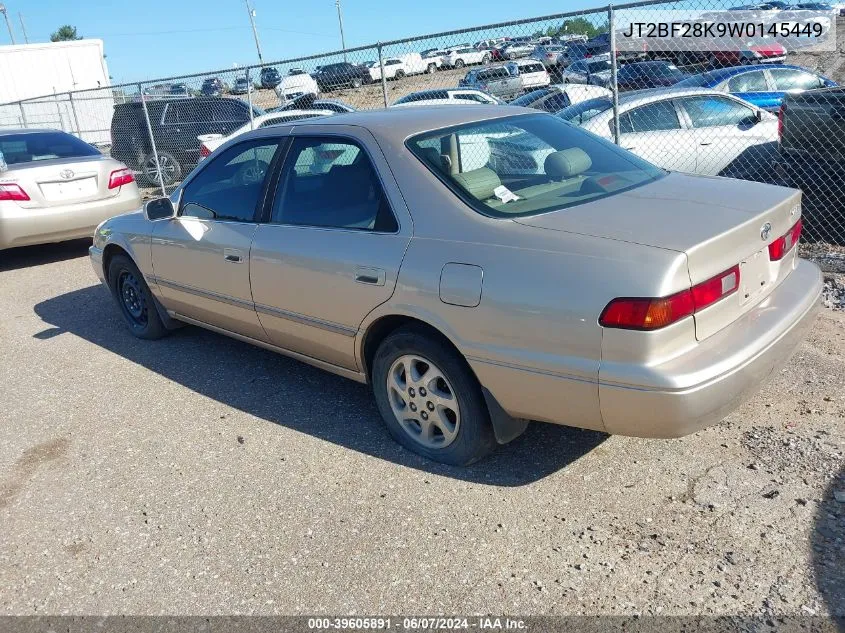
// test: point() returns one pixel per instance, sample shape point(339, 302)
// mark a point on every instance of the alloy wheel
point(423, 401)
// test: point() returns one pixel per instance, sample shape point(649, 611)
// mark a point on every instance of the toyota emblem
point(67, 174)
point(765, 230)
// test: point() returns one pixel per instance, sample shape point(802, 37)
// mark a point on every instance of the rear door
point(331, 248)
point(727, 134)
point(753, 86)
point(655, 132)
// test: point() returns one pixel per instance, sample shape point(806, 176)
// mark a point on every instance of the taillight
point(12, 192)
point(120, 177)
point(204, 151)
point(781, 115)
point(781, 246)
point(645, 313)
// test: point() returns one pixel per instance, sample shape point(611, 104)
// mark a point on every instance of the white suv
point(460, 57)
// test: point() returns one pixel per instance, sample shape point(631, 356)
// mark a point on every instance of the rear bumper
point(24, 227)
point(723, 371)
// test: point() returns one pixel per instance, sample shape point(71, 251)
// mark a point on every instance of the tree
point(65, 33)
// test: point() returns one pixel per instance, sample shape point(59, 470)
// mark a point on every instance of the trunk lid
point(717, 222)
point(53, 183)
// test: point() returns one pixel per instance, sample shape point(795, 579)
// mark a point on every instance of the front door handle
point(372, 276)
point(232, 255)
point(707, 143)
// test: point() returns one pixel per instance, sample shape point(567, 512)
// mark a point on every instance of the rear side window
point(493, 73)
point(329, 182)
point(650, 118)
point(229, 187)
point(18, 149)
point(748, 82)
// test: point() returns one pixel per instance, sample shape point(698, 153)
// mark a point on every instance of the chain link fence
point(756, 110)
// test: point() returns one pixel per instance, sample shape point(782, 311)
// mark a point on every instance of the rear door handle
point(372, 276)
point(232, 255)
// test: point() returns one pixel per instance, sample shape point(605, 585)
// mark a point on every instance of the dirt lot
point(201, 475)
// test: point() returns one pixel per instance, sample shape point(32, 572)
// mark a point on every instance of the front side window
point(229, 186)
point(795, 80)
point(328, 182)
point(17, 149)
point(708, 111)
point(528, 164)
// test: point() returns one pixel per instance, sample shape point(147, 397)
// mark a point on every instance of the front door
point(331, 250)
point(201, 257)
point(728, 135)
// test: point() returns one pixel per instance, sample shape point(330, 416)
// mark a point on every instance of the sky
point(161, 38)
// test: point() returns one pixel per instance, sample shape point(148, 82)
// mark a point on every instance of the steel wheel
point(132, 298)
point(423, 401)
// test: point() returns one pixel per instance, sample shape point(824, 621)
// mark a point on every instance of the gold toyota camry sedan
point(480, 268)
point(55, 187)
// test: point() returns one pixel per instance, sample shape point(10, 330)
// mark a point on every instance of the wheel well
point(386, 325)
point(110, 251)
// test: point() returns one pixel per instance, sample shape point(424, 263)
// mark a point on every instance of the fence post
point(23, 114)
point(152, 140)
point(383, 78)
point(75, 117)
point(249, 100)
point(614, 86)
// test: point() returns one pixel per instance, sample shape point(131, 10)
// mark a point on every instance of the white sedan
point(295, 84)
point(447, 96)
point(460, 57)
point(210, 142)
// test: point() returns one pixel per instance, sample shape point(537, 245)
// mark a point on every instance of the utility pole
point(8, 24)
point(23, 27)
point(340, 21)
point(251, 13)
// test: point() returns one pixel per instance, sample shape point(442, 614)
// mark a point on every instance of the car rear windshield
point(18, 149)
point(530, 164)
point(530, 97)
point(586, 110)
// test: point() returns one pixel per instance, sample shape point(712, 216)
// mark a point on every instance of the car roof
point(713, 77)
point(397, 124)
point(638, 97)
point(22, 130)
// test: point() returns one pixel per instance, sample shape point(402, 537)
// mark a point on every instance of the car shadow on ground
point(295, 395)
point(26, 256)
point(829, 548)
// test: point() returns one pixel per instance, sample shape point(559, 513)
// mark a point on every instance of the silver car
point(593, 70)
point(55, 187)
point(695, 130)
point(494, 80)
point(602, 293)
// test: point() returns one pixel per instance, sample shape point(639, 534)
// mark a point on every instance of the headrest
point(479, 183)
point(567, 163)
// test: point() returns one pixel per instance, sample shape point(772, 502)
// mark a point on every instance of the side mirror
point(159, 209)
point(758, 116)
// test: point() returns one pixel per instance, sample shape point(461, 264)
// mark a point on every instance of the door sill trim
point(351, 374)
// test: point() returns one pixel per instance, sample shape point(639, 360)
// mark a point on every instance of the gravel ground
point(199, 475)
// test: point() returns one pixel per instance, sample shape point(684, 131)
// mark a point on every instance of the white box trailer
point(41, 76)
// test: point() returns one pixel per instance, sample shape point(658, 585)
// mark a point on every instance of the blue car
point(761, 85)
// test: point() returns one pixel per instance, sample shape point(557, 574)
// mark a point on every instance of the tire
point(486, 59)
point(459, 431)
point(432, 68)
point(356, 83)
point(171, 169)
point(459, 63)
point(134, 299)
point(399, 74)
point(511, 56)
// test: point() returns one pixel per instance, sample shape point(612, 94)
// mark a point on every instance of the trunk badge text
point(67, 174)
point(765, 230)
